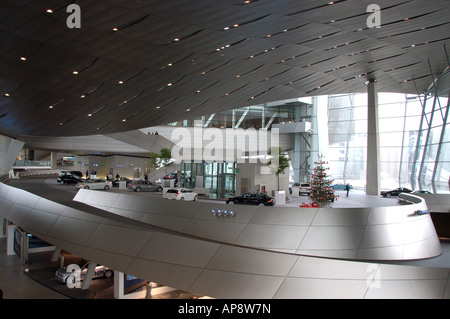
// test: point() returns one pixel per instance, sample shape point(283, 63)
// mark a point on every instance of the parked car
point(115, 183)
point(251, 199)
point(341, 186)
point(395, 192)
point(68, 178)
point(62, 275)
point(144, 186)
point(181, 194)
point(421, 192)
point(98, 183)
point(303, 188)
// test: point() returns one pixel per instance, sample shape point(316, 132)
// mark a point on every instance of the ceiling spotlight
point(89, 115)
point(120, 82)
point(115, 29)
point(49, 11)
point(176, 39)
point(124, 120)
point(187, 110)
point(50, 106)
point(23, 58)
point(6, 94)
point(82, 96)
point(75, 72)
point(169, 84)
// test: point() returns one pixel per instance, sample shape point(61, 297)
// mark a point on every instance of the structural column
point(373, 142)
point(53, 157)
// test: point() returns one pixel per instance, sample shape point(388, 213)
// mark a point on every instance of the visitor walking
point(347, 188)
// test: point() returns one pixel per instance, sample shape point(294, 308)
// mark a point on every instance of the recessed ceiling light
point(235, 25)
point(89, 115)
point(115, 29)
point(169, 84)
point(176, 39)
point(187, 110)
point(23, 58)
point(50, 106)
point(49, 11)
point(120, 82)
point(82, 96)
point(158, 107)
point(6, 94)
point(75, 72)
point(124, 120)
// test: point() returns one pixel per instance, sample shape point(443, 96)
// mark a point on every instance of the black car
point(395, 192)
point(251, 199)
point(69, 177)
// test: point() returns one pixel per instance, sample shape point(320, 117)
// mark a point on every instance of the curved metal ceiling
point(144, 63)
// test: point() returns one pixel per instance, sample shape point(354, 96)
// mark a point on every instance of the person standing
point(347, 188)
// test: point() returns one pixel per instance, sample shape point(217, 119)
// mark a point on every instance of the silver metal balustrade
point(173, 243)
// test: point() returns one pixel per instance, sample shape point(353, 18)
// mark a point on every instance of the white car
point(181, 194)
point(97, 183)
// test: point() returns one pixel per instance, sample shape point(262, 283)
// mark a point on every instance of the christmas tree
point(321, 190)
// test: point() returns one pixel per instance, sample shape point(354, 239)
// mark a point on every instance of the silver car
point(62, 275)
point(144, 186)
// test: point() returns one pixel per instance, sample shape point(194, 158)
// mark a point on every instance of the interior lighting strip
point(319, 87)
point(315, 8)
point(129, 24)
point(91, 91)
point(132, 77)
point(236, 25)
point(226, 46)
point(319, 38)
point(399, 21)
point(178, 39)
point(77, 71)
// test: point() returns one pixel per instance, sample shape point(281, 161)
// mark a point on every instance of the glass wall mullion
point(433, 179)
point(403, 145)
point(430, 123)
point(414, 175)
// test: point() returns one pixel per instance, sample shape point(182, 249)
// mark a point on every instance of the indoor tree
point(279, 163)
point(321, 190)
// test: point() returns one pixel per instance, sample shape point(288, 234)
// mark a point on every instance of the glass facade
point(260, 116)
point(218, 178)
point(413, 134)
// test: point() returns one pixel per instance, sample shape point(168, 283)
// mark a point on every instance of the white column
point(373, 143)
point(53, 157)
point(88, 277)
point(10, 240)
point(55, 254)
